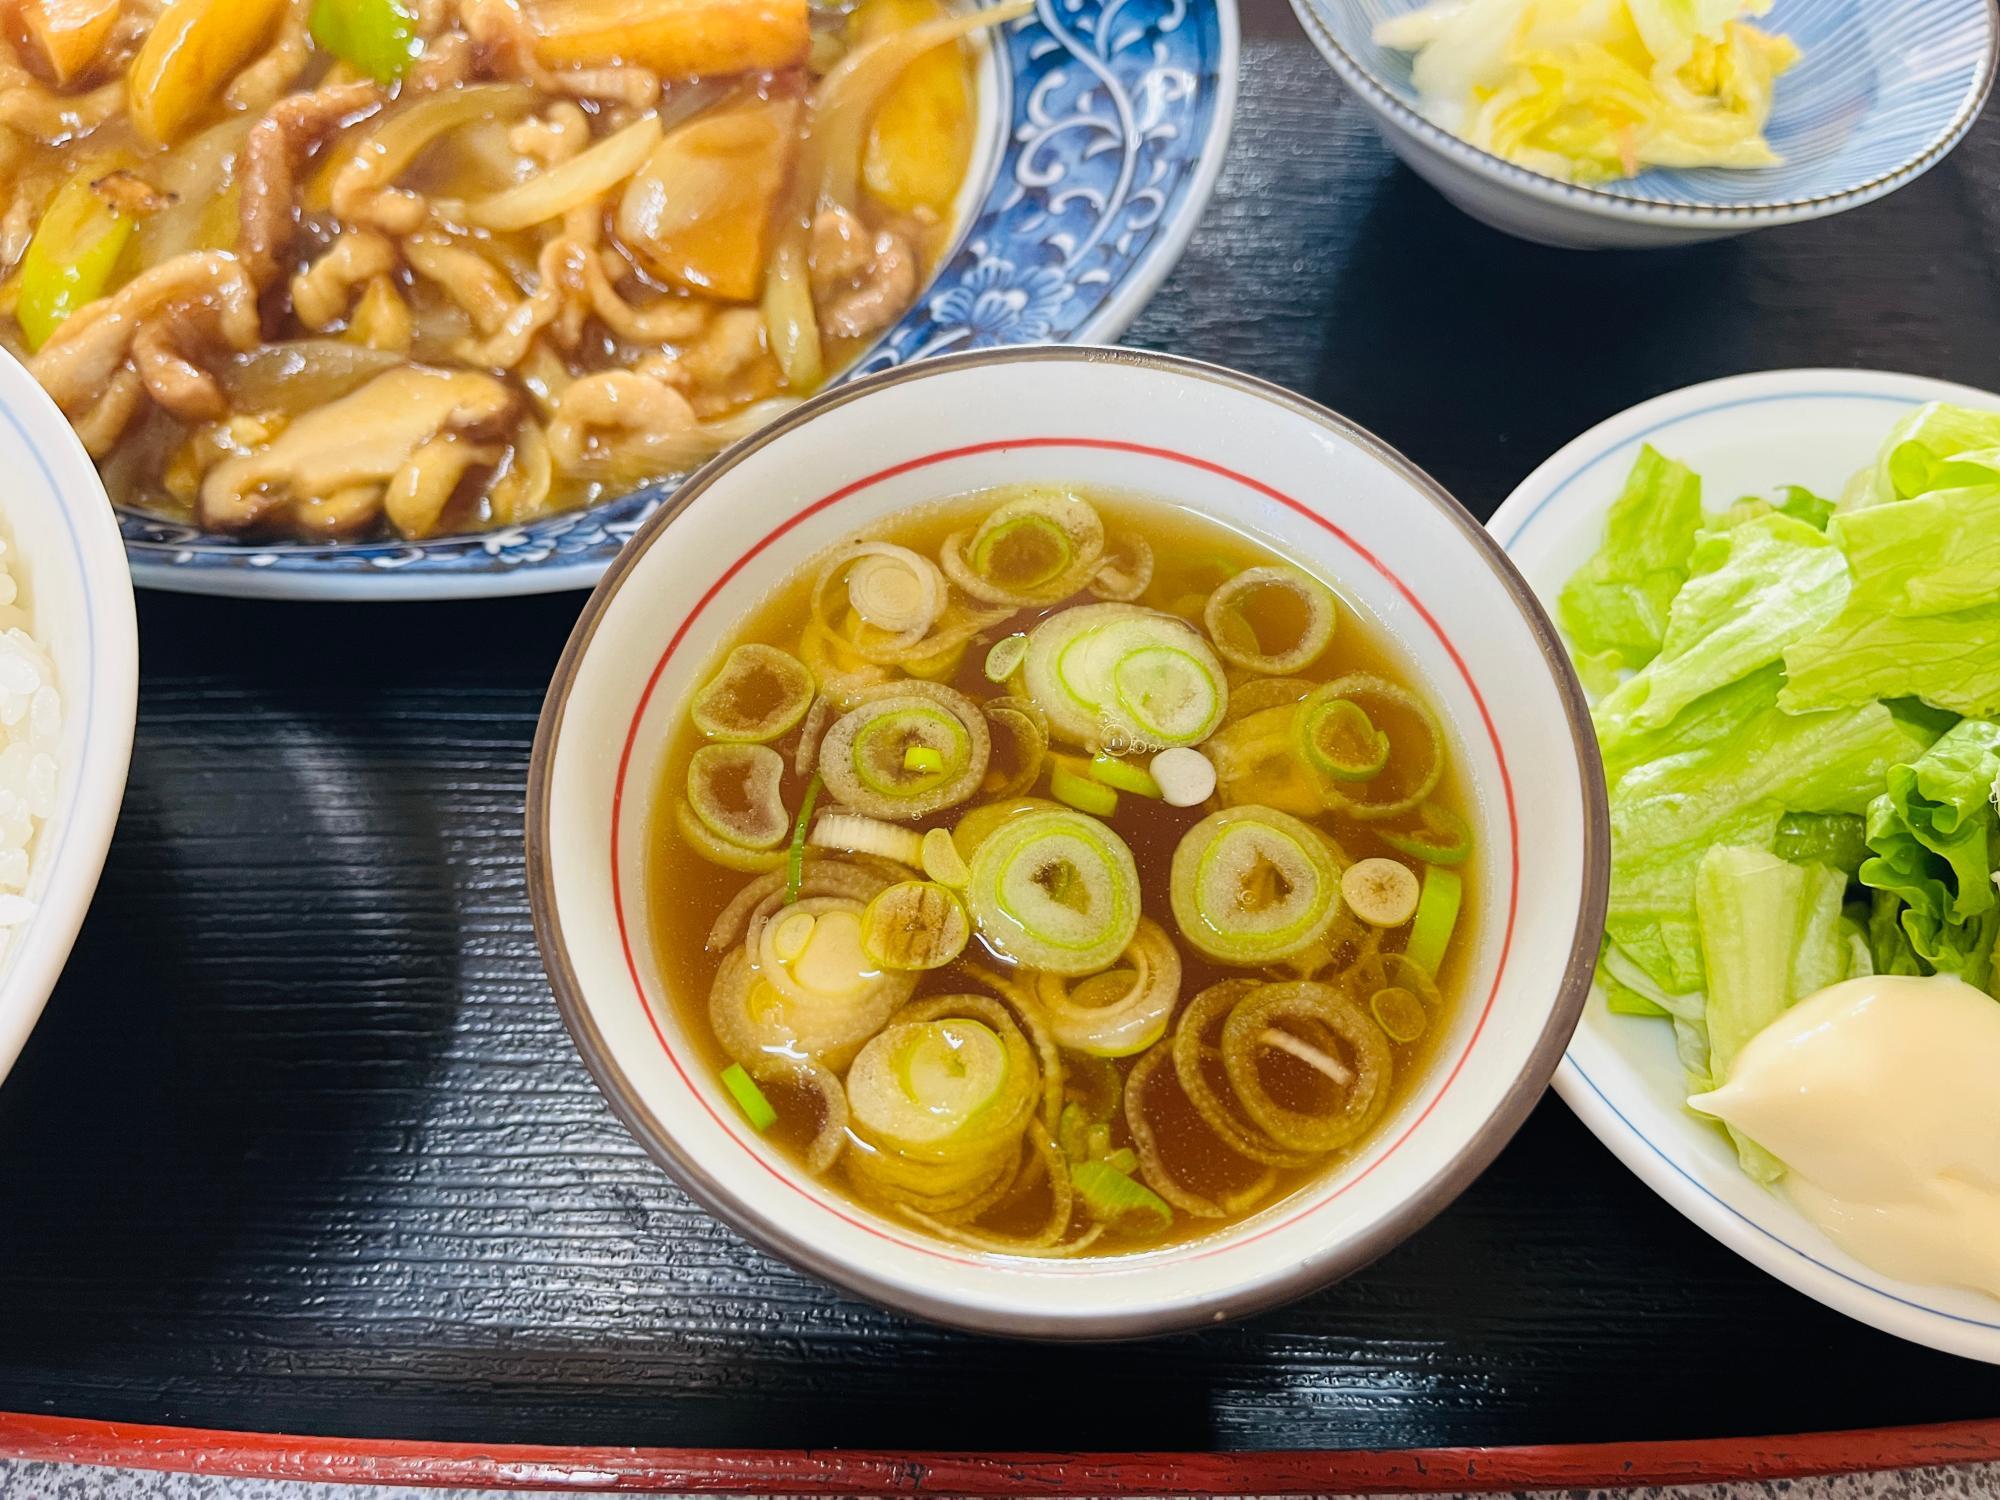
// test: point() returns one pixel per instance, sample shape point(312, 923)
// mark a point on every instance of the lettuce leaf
point(1668, 812)
point(1934, 834)
point(1615, 607)
point(1753, 590)
point(1916, 448)
point(1771, 935)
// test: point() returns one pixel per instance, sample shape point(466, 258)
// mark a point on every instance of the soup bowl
point(1227, 447)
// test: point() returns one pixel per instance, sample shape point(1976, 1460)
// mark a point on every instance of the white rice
point(30, 733)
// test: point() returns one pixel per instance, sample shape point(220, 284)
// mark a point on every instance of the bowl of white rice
point(69, 685)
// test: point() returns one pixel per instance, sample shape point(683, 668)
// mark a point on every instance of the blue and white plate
point(1105, 127)
point(1884, 90)
point(1747, 435)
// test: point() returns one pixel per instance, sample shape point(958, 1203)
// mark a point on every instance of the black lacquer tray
point(301, 1146)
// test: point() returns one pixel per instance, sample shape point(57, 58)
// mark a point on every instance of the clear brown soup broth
point(687, 892)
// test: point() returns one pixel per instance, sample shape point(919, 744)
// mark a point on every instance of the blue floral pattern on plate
point(1112, 119)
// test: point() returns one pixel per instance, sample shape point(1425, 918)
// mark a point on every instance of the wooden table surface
point(301, 1145)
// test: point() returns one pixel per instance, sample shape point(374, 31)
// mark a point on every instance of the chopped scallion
point(749, 1098)
point(1437, 915)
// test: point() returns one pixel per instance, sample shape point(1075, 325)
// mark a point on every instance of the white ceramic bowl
point(1222, 444)
point(65, 554)
point(1744, 436)
point(1884, 91)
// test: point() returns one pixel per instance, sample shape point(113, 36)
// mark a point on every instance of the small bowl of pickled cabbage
point(1067, 844)
point(1653, 122)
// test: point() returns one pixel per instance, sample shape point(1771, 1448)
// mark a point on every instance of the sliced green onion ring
point(1444, 838)
point(1256, 760)
point(721, 851)
point(1055, 890)
point(918, 1084)
point(760, 694)
point(764, 895)
point(1037, 548)
point(1019, 734)
point(1367, 1070)
point(1070, 782)
point(878, 601)
point(1123, 1010)
point(1381, 892)
point(1005, 655)
point(1339, 740)
point(735, 789)
point(1399, 1013)
point(1251, 885)
point(1437, 915)
point(1194, 1052)
point(755, 1021)
point(1116, 677)
point(914, 925)
point(1228, 618)
point(1139, 1084)
point(1126, 571)
point(1363, 689)
point(863, 756)
point(941, 861)
point(1256, 694)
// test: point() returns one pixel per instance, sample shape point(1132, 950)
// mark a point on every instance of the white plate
point(1745, 435)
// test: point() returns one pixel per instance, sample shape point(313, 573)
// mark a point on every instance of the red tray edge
point(842, 1471)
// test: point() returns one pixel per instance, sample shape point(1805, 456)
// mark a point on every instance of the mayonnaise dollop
point(1882, 1098)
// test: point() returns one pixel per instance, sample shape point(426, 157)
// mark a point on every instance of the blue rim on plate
point(1110, 123)
point(1885, 90)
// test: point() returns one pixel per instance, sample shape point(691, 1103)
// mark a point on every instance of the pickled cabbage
point(1594, 90)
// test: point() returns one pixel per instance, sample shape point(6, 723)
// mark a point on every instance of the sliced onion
point(1055, 890)
point(1126, 571)
point(864, 756)
point(1119, 678)
point(914, 925)
point(720, 851)
point(1038, 548)
point(736, 791)
point(1251, 885)
point(1374, 695)
point(554, 192)
point(1020, 746)
point(821, 877)
point(760, 694)
point(1361, 1100)
point(1228, 618)
point(895, 595)
point(1122, 1010)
